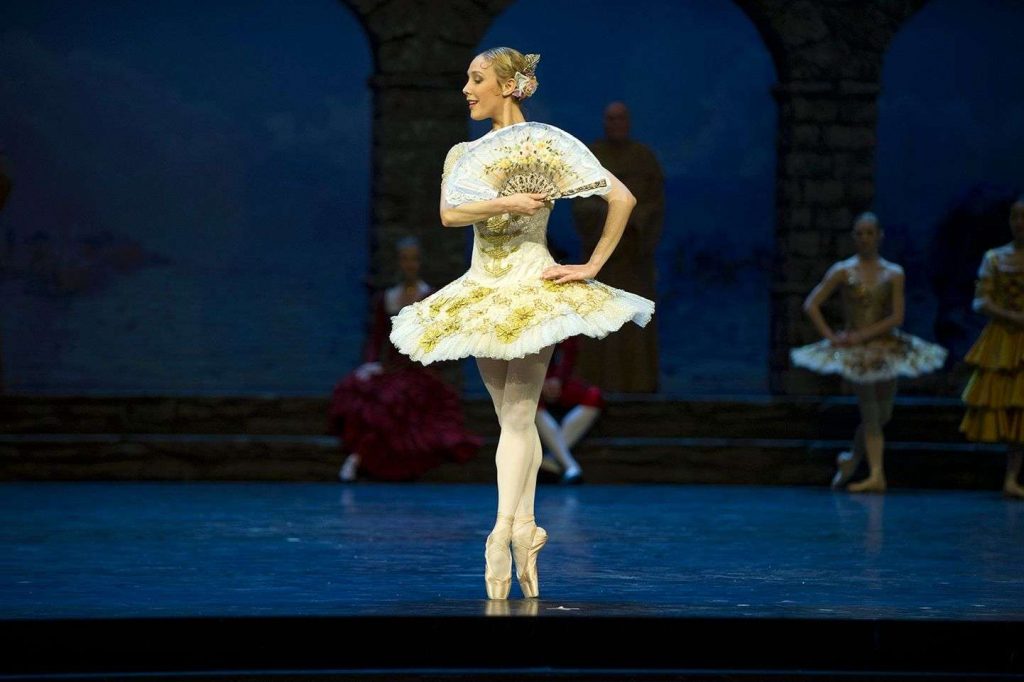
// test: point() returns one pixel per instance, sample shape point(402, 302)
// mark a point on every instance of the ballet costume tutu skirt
point(883, 358)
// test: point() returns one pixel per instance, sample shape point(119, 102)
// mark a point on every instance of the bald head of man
point(616, 122)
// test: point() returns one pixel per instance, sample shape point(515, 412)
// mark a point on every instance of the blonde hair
point(507, 62)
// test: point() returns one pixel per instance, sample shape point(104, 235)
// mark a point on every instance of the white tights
point(515, 386)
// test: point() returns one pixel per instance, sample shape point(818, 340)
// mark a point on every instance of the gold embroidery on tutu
point(584, 297)
point(508, 312)
point(440, 330)
point(514, 325)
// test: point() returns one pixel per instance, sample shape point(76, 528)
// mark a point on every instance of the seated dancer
point(396, 419)
point(871, 351)
point(583, 402)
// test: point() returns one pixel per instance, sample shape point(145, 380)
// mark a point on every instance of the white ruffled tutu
point(891, 356)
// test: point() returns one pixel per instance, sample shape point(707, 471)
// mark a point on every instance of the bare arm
point(819, 294)
point(886, 324)
point(477, 211)
point(620, 204)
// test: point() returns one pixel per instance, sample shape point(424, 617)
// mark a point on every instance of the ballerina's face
point(867, 235)
point(1017, 221)
point(482, 90)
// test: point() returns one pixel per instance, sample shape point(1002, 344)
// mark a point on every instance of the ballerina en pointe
point(527, 540)
point(498, 558)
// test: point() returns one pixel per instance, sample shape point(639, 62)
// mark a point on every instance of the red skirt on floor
point(402, 423)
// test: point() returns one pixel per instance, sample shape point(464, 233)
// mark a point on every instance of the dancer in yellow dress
point(994, 396)
point(871, 352)
point(516, 302)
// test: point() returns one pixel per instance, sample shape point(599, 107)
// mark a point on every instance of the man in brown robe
point(626, 360)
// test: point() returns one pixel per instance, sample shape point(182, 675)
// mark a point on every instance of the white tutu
point(893, 355)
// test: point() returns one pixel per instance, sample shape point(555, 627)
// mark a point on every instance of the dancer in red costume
point(396, 418)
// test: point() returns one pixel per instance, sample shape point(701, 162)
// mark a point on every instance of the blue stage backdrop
point(191, 198)
point(951, 121)
point(190, 209)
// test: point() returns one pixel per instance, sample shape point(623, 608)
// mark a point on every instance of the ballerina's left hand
point(561, 274)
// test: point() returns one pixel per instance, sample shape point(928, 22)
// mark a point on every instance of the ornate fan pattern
point(526, 157)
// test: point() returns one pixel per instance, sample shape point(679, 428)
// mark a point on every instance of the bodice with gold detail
point(1001, 279)
point(865, 303)
point(506, 245)
point(500, 240)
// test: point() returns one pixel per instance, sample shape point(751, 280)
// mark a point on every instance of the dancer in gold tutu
point(516, 302)
point(871, 351)
point(995, 394)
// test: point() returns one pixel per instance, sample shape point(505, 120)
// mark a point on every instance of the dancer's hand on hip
point(560, 274)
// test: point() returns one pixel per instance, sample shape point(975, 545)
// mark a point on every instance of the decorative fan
point(526, 157)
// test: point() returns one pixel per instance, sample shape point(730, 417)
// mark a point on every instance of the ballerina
point(515, 302)
point(871, 352)
point(396, 419)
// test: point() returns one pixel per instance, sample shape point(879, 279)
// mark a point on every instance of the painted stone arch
point(949, 141)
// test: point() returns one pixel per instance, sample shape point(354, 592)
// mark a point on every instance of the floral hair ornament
point(526, 81)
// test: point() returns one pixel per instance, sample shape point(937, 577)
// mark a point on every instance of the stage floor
point(119, 550)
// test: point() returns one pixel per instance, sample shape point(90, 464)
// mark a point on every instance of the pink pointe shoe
point(527, 541)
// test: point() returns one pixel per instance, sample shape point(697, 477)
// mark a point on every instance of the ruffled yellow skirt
point(994, 396)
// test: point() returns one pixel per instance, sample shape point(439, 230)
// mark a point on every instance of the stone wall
point(421, 50)
point(828, 55)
